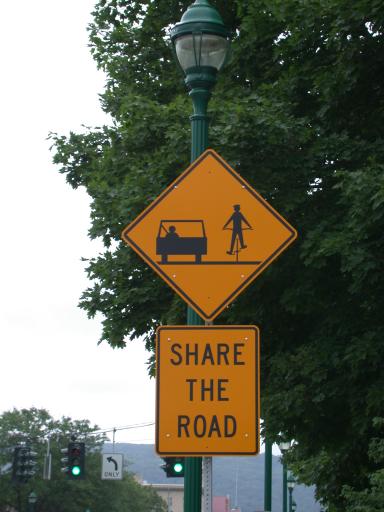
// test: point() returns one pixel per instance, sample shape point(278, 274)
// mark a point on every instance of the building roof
point(220, 504)
point(174, 487)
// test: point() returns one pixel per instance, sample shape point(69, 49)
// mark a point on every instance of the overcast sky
point(49, 357)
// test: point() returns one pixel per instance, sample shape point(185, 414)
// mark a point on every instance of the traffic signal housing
point(76, 461)
point(173, 466)
point(64, 460)
point(24, 464)
point(17, 469)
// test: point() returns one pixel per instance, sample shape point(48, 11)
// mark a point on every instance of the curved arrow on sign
point(111, 459)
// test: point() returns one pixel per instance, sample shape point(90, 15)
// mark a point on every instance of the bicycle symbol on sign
point(237, 220)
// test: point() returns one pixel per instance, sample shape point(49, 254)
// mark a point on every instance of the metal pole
point(290, 500)
point(199, 124)
point(19, 498)
point(207, 484)
point(268, 476)
point(193, 469)
point(285, 488)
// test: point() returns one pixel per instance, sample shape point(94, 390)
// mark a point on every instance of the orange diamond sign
point(209, 234)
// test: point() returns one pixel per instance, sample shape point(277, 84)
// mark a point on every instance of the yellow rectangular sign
point(207, 400)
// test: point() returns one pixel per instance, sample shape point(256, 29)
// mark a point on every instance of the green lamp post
point(32, 498)
point(284, 446)
point(268, 475)
point(291, 484)
point(201, 43)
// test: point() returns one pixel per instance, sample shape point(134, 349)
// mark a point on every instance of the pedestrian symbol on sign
point(184, 235)
point(237, 220)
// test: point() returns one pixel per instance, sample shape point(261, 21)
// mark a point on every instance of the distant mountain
point(242, 478)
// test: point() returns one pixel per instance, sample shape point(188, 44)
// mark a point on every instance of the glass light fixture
point(32, 497)
point(291, 481)
point(198, 49)
point(284, 446)
point(200, 39)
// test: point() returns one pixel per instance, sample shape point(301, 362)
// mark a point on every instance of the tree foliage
point(370, 499)
point(299, 113)
point(36, 426)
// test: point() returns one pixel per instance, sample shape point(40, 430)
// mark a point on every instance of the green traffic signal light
point(76, 460)
point(76, 470)
point(178, 467)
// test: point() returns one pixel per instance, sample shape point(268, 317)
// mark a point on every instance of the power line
point(127, 427)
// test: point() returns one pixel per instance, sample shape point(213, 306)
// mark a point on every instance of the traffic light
point(24, 464)
point(76, 461)
point(64, 460)
point(73, 462)
point(173, 466)
point(16, 468)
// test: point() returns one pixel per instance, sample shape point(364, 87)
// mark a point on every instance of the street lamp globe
point(32, 497)
point(291, 481)
point(284, 446)
point(201, 42)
